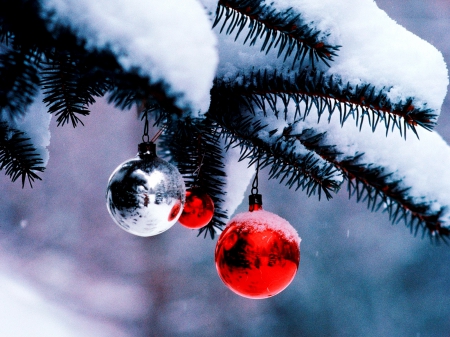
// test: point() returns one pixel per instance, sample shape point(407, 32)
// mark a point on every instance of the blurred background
point(67, 270)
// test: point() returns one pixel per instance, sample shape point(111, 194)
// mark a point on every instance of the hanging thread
point(159, 133)
point(145, 136)
point(255, 180)
point(196, 173)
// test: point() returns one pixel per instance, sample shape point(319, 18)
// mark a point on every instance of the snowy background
point(67, 270)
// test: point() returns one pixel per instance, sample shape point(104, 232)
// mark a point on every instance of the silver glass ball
point(145, 195)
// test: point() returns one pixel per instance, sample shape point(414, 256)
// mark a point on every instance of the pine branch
point(312, 89)
point(195, 147)
point(283, 30)
point(299, 171)
point(72, 81)
point(6, 37)
point(376, 186)
point(368, 182)
point(18, 156)
point(19, 80)
point(302, 169)
point(22, 27)
point(60, 87)
point(129, 89)
point(72, 75)
point(95, 76)
point(372, 184)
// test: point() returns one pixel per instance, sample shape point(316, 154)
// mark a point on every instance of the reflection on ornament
point(198, 209)
point(258, 253)
point(146, 194)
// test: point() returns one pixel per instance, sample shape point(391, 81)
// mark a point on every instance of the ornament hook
point(255, 199)
point(159, 133)
point(196, 173)
point(255, 180)
point(145, 136)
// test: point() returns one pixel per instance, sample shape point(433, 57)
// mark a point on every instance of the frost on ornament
point(258, 253)
point(146, 194)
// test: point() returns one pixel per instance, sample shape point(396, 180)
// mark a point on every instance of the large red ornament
point(258, 253)
point(198, 209)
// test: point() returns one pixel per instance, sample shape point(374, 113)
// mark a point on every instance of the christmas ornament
point(146, 194)
point(258, 253)
point(198, 209)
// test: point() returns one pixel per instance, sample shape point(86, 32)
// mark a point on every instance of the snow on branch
point(405, 176)
point(377, 50)
point(270, 90)
point(285, 31)
point(402, 177)
point(328, 95)
point(382, 74)
point(258, 135)
point(167, 41)
point(374, 50)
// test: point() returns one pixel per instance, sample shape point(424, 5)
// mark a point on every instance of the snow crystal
point(262, 220)
point(170, 41)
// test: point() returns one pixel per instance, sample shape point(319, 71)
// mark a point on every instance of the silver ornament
point(146, 194)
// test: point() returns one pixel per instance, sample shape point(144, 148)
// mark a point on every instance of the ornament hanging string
point(159, 133)
point(255, 180)
point(196, 173)
point(145, 136)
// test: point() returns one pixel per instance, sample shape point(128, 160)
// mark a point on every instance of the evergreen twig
point(60, 87)
point(306, 171)
point(373, 184)
point(19, 83)
point(18, 156)
point(312, 89)
point(284, 30)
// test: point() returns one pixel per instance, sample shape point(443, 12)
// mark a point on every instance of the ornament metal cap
point(147, 149)
point(255, 199)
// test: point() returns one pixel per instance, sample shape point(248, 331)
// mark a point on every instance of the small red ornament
point(198, 209)
point(258, 253)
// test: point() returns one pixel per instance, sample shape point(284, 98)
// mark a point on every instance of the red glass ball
point(198, 209)
point(257, 255)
